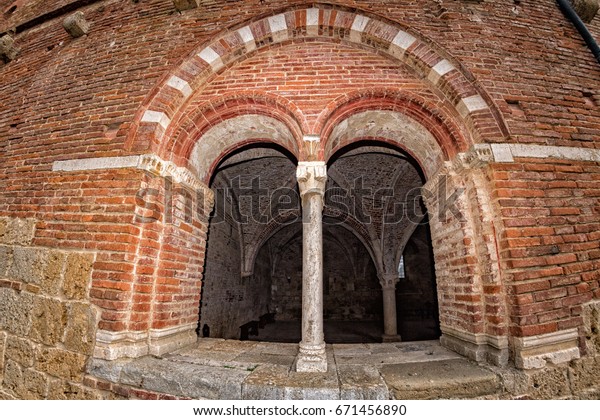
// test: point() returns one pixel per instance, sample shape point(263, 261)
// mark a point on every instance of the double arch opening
point(428, 128)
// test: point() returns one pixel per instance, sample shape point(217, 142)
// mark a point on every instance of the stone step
point(443, 379)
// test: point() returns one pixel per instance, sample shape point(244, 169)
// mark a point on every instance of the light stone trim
point(403, 40)
point(248, 38)
point(440, 70)
point(131, 344)
point(149, 162)
point(471, 104)
point(507, 152)
point(482, 153)
point(443, 67)
point(156, 117)
point(358, 27)
point(112, 345)
point(277, 23)
point(360, 23)
point(312, 138)
point(246, 34)
point(536, 351)
point(312, 17)
point(211, 57)
point(91, 164)
point(181, 85)
point(166, 340)
point(499, 342)
point(477, 346)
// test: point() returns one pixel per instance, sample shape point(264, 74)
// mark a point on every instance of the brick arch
point(436, 120)
point(193, 125)
point(162, 109)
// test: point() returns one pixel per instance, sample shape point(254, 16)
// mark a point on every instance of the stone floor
point(230, 369)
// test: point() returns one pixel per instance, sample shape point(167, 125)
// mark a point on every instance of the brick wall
point(520, 74)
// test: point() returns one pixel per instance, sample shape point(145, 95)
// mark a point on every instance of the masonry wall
point(47, 324)
point(85, 260)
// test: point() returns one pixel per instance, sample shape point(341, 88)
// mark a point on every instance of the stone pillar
point(390, 325)
point(312, 177)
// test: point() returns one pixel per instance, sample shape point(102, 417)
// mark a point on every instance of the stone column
point(390, 325)
point(312, 177)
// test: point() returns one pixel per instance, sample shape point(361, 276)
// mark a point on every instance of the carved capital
point(312, 177)
point(388, 280)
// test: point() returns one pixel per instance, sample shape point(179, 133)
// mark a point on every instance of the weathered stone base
point(391, 338)
point(558, 347)
point(228, 369)
point(311, 358)
point(478, 347)
point(127, 344)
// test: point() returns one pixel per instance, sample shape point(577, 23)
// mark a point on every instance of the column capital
point(388, 280)
point(312, 178)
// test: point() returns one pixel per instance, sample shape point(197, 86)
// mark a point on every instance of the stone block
point(20, 350)
point(6, 256)
point(59, 389)
point(8, 50)
point(439, 380)
point(76, 25)
point(584, 374)
point(28, 265)
point(361, 383)
point(2, 349)
point(591, 323)
point(183, 379)
point(48, 321)
point(35, 385)
point(13, 378)
point(16, 231)
point(586, 9)
point(81, 328)
point(182, 5)
point(77, 275)
point(548, 383)
point(266, 383)
point(15, 311)
point(61, 363)
point(52, 277)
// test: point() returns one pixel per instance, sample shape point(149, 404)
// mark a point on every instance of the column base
point(385, 338)
point(311, 358)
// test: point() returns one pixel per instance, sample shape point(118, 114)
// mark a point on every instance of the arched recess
point(161, 115)
point(461, 216)
point(464, 115)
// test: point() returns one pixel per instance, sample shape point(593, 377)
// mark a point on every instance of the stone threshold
point(234, 370)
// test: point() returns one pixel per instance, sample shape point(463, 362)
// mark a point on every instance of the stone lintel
point(536, 351)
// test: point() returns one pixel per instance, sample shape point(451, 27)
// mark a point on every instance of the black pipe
point(572, 15)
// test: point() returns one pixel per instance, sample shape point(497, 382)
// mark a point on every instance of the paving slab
point(361, 383)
